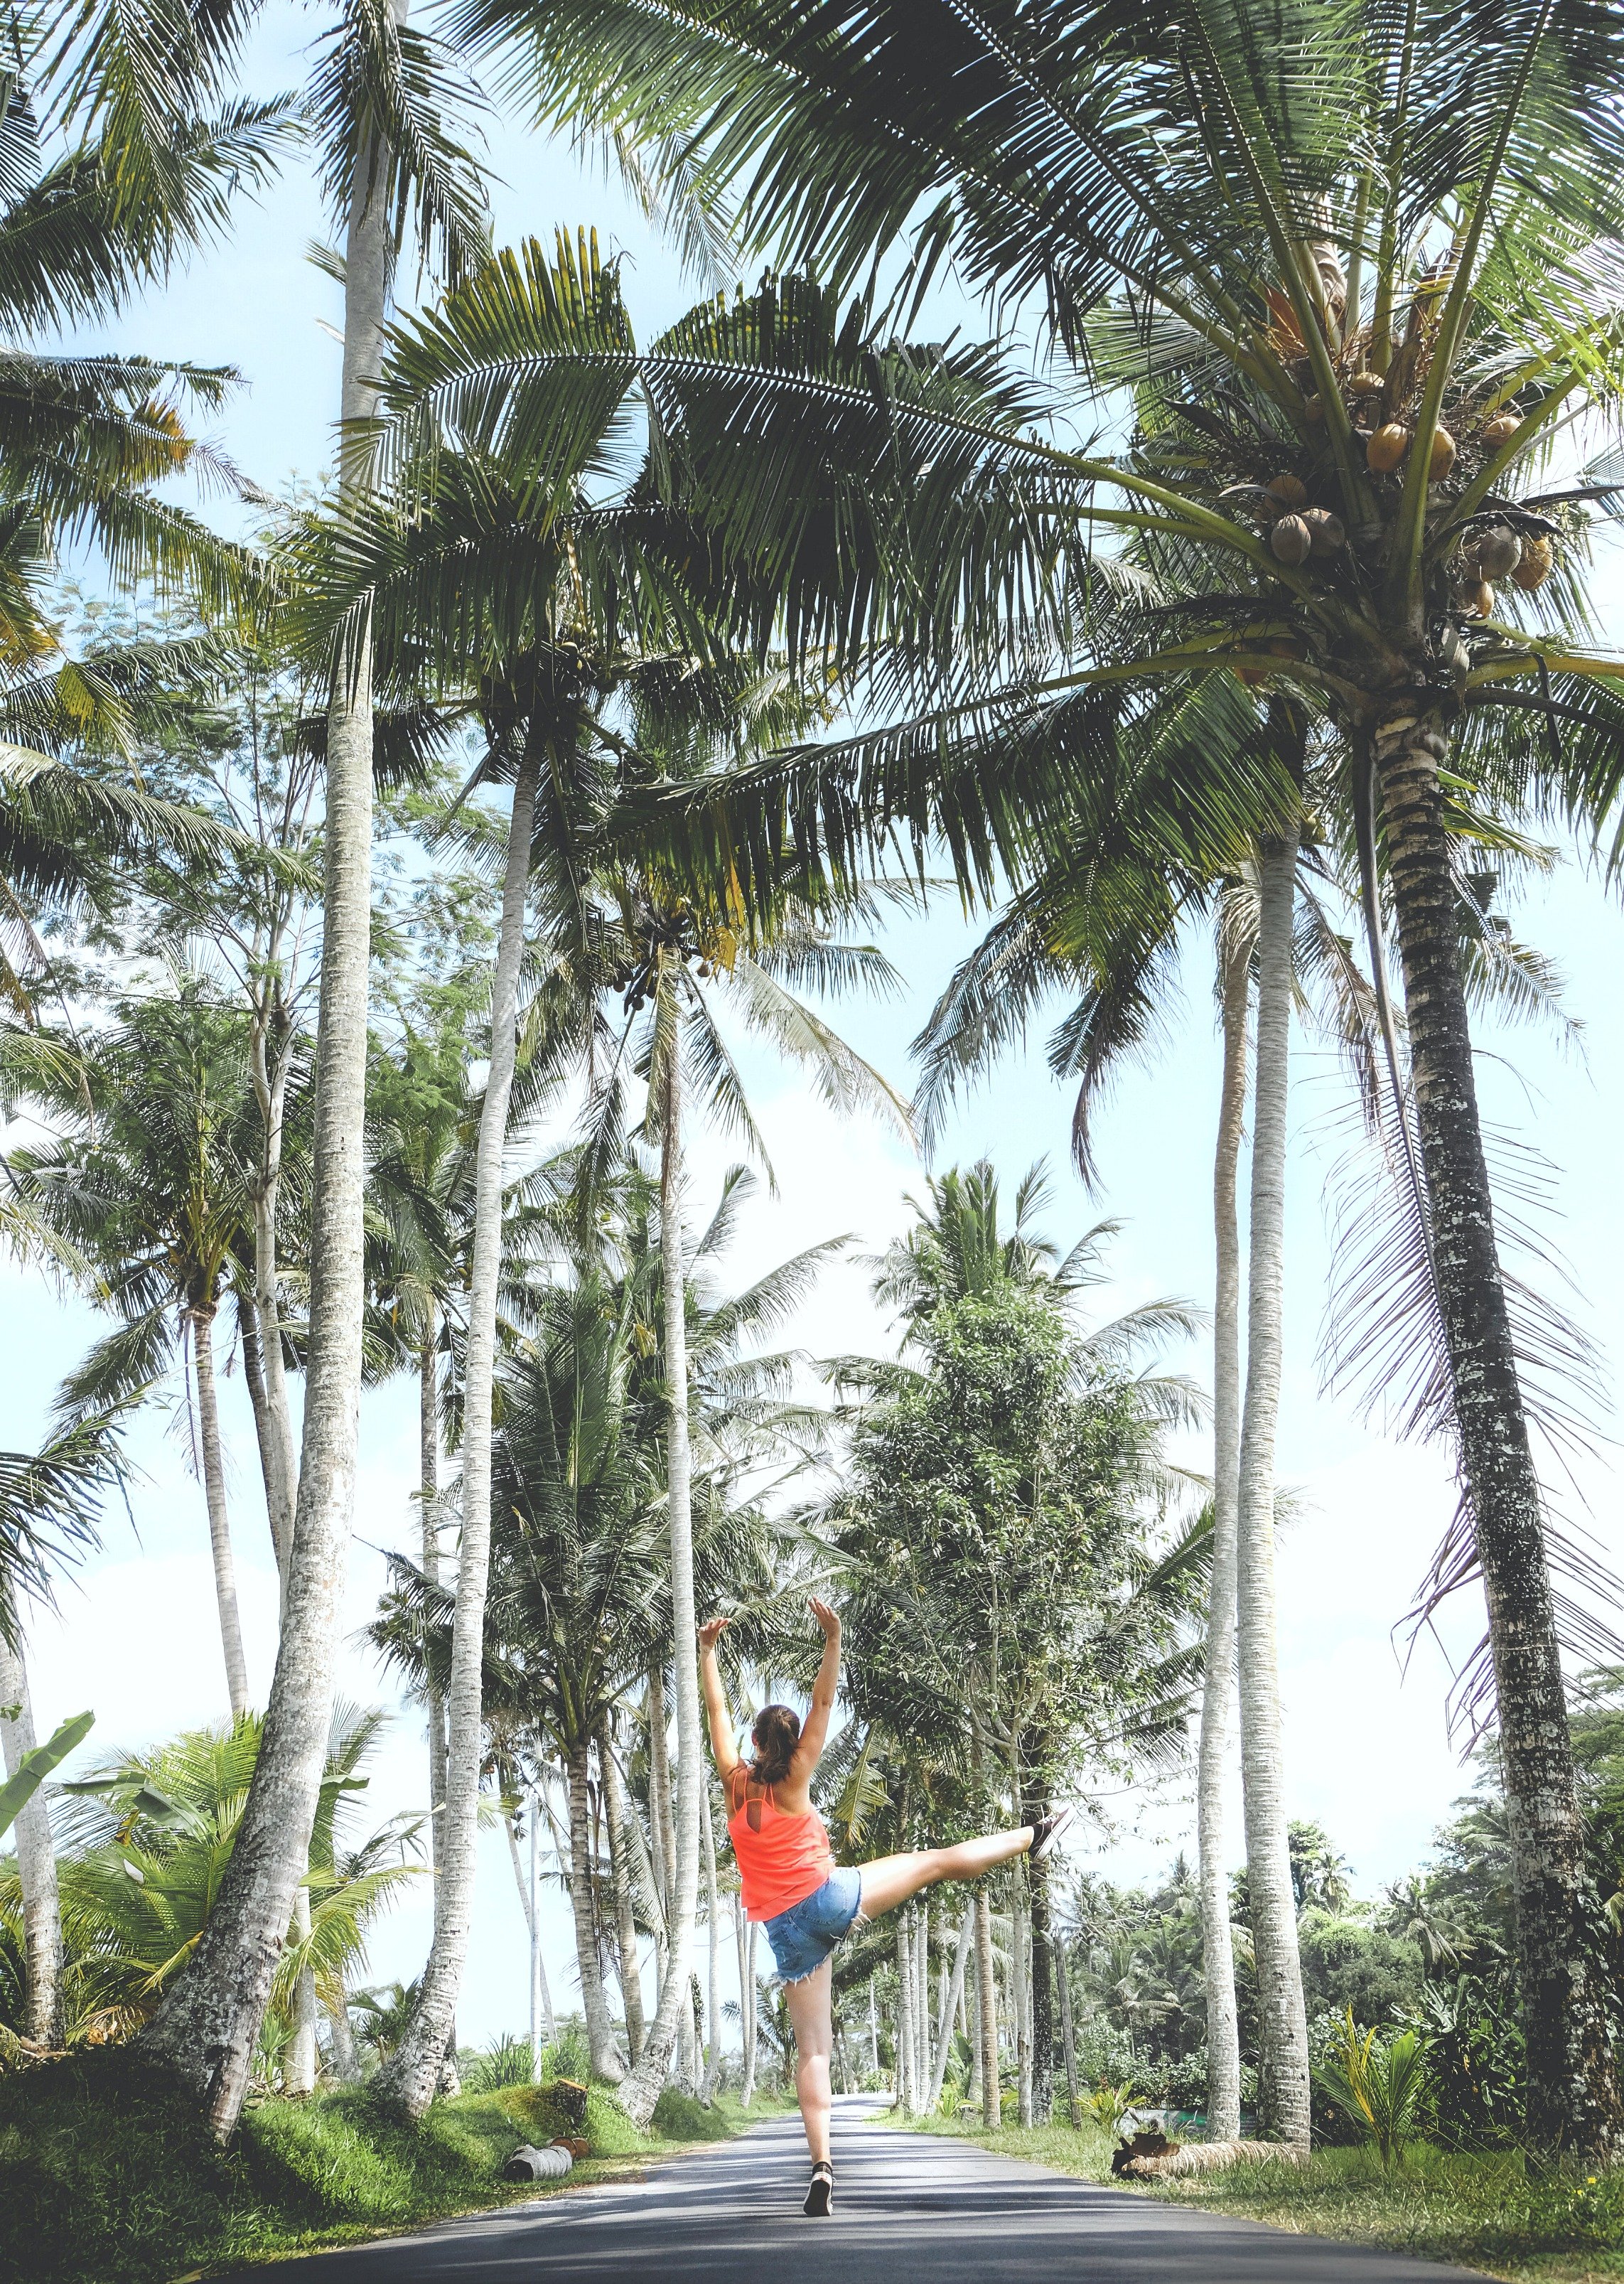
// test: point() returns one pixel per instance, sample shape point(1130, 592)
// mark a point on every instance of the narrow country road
point(910, 2208)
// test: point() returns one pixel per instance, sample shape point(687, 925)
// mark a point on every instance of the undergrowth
point(108, 2175)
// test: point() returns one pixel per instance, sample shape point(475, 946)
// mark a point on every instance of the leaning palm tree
point(1308, 233)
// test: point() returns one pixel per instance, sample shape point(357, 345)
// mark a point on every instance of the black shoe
point(820, 2196)
point(1049, 1831)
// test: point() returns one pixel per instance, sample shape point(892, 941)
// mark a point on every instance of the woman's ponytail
point(774, 1736)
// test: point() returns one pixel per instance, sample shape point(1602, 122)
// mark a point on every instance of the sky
point(1368, 1748)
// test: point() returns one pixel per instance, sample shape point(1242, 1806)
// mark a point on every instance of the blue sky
point(1368, 1752)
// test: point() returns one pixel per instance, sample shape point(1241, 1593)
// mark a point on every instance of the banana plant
point(35, 1767)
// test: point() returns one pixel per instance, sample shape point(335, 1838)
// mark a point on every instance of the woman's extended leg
point(809, 2003)
point(890, 1879)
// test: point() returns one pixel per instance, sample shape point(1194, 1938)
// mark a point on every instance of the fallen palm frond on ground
point(1171, 2160)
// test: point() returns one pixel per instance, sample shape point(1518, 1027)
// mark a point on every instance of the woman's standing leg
point(810, 2003)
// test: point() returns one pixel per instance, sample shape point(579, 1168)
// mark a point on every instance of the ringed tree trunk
point(747, 2090)
point(36, 1861)
point(1217, 1943)
point(986, 2009)
point(1573, 2095)
point(209, 2018)
point(1281, 2023)
point(1067, 2034)
point(201, 1316)
point(1033, 1808)
point(595, 2005)
point(641, 2090)
point(345, 2059)
point(951, 2006)
point(905, 2100)
point(428, 1489)
point(271, 1072)
point(713, 1909)
point(619, 1876)
point(408, 2080)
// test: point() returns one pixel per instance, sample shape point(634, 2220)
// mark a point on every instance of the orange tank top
point(784, 1863)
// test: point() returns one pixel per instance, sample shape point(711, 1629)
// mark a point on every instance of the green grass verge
point(108, 2176)
point(1484, 2212)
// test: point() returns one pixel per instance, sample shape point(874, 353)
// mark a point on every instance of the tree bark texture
point(905, 2096)
point(1573, 2096)
point(1020, 1972)
point(1217, 1945)
point(955, 1992)
point(271, 1072)
point(202, 1322)
point(594, 2005)
point(428, 1489)
point(1068, 2037)
point(253, 1376)
point(346, 2061)
point(37, 1862)
point(1281, 2023)
point(747, 2092)
point(713, 1912)
point(619, 1877)
point(642, 2089)
point(1042, 2028)
point(209, 2018)
point(659, 1793)
point(409, 2079)
point(988, 2009)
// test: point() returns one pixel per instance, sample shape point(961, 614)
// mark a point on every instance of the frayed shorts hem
point(808, 1933)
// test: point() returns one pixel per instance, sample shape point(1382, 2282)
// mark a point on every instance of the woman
point(791, 1881)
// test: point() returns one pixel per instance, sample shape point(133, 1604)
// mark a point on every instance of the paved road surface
point(910, 2208)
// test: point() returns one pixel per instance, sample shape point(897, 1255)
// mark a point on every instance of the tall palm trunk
point(1068, 2037)
point(345, 2059)
point(594, 2005)
point(1217, 1946)
point(619, 1876)
point(202, 1320)
point(1573, 2096)
point(1283, 2034)
point(36, 1861)
point(987, 2008)
point(660, 1796)
point(747, 2090)
point(950, 2006)
point(1033, 1807)
point(905, 2097)
point(409, 2078)
point(210, 2016)
point(642, 2089)
point(271, 1072)
point(713, 1912)
point(428, 1494)
point(1020, 1971)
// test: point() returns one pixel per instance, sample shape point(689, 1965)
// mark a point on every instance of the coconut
point(1387, 447)
point(1313, 408)
point(1442, 456)
point(1286, 491)
point(1502, 429)
point(1534, 566)
point(1326, 535)
point(1365, 383)
point(1291, 539)
point(1498, 551)
point(1478, 599)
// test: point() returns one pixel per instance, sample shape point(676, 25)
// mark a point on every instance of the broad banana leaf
point(19, 1790)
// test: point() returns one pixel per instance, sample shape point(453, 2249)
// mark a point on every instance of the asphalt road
point(910, 2208)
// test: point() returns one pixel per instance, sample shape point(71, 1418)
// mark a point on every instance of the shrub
point(1380, 2085)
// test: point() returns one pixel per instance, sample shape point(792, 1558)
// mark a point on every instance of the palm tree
point(379, 96)
point(1320, 268)
point(146, 1181)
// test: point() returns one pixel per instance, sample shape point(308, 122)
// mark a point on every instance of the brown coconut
point(1326, 534)
point(1478, 599)
point(1442, 457)
point(1365, 383)
point(1387, 447)
point(1497, 551)
point(1291, 539)
point(1502, 429)
point(1286, 491)
point(1534, 565)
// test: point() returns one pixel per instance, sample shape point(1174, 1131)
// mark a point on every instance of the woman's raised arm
point(722, 1749)
point(808, 1752)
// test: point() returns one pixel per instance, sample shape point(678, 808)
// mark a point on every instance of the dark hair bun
point(776, 1735)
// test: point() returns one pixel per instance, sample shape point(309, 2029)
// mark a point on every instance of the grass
point(1490, 2213)
point(108, 2176)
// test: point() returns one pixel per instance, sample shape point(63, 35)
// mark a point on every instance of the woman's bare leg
point(890, 1879)
point(809, 2003)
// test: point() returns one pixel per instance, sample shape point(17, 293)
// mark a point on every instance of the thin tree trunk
point(748, 2093)
point(950, 2004)
point(660, 1791)
point(987, 2008)
point(409, 2079)
point(1021, 1976)
point(1068, 2036)
point(744, 1996)
point(1217, 1946)
point(904, 2018)
point(346, 2061)
point(428, 1494)
point(281, 1466)
point(36, 1861)
point(713, 1908)
point(253, 1374)
point(202, 1321)
point(874, 2033)
point(1573, 2094)
point(1282, 2035)
point(600, 2038)
point(208, 2020)
point(299, 2062)
point(972, 2092)
point(642, 2089)
point(619, 1876)
point(1041, 2032)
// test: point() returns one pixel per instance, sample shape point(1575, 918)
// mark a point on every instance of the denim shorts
point(803, 1937)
